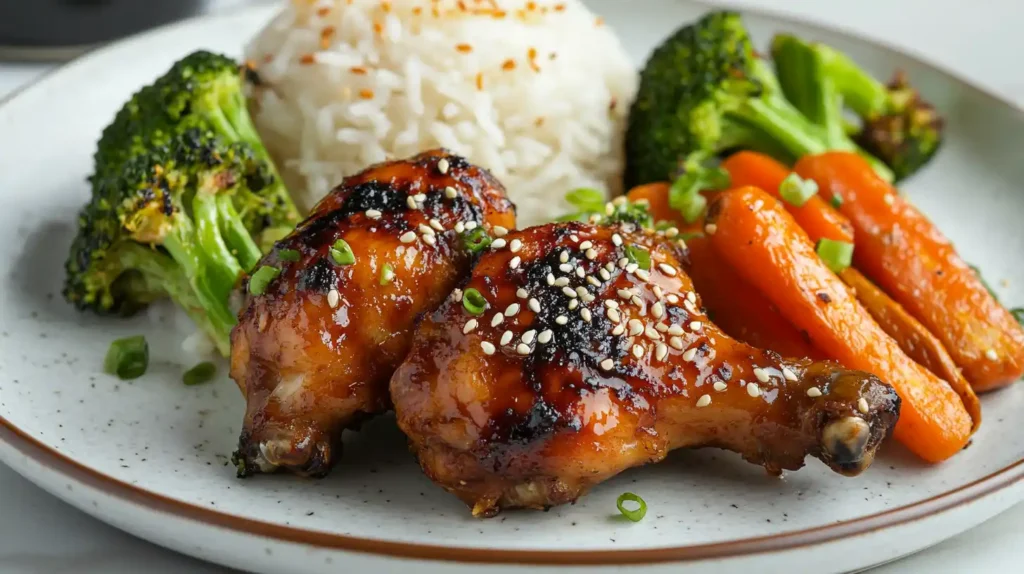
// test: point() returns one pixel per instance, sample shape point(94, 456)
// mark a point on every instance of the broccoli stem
point(220, 259)
point(236, 235)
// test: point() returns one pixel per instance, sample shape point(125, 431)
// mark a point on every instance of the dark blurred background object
point(60, 29)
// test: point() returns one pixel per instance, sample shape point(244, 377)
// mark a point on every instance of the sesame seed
point(514, 262)
point(534, 305)
point(561, 282)
point(617, 239)
point(689, 354)
point(611, 303)
point(667, 269)
point(695, 326)
point(512, 309)
point(581, 291)
point(569, 292)
point(761, 375)
point(675, 330)
point(443, 165)
point(691, 296)
point(499, 231)
point(565, 268)
point(580, 272)
point(436, 225)
point(424, 229)
point(457, 295)
point(673, 298)
point(332, 298)
point(658, 310)
point(545, 336)
point(638, 351)
point(676, 343)
point(573, 304)
point(522, 293)
point(632, 267)
point(575, 238)
point(636, 300)
point(497, 319)
point(590, 254)
point(643, 275)
point(625, 293)
point(506, 337)
point(411, 202)
point(607, 364)
point(603, 273)
point(635, 327)
point(460, 227)
point(991, 355)
point(515, 246)
point(661, 327)
point(753, 390)
point(651, 333)
point(814, 392)
point(613, 315)
point(408, 237)
point(657, 291)
point(470, 325)
point(563, 257)
point(720, 386)
point(430, 240)
point(690, 307)
point(619, 329)
point(609, 267)
point(450, 192)
point(671, 232)
point(710, 228)
point(471, 225)
point(889, 199)
point(609, 209)
point(550, 279)
point(585, 314)
point(703, 401)
point(373, 213)
point(561, 319)
point(593, 281)
point(788, 374)
point(660, 351)
point(622, 263)
point(862, 405)
point(529, 336)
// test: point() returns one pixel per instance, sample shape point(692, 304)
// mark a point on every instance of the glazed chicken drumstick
point(315, 347)
point(578, 351)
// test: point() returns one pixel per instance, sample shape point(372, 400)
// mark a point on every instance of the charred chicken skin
point(592, 356)
point(315, 347)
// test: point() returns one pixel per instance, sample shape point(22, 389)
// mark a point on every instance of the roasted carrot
point(906, 255)
point(754, 233)
point(817, 217)
point(738, 308)
point(916, 341)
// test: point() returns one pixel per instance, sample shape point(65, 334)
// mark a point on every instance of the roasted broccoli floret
point(184, 195)
point(704, 92)
point(896, 125)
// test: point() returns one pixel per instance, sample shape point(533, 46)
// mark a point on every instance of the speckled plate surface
point(151, 456)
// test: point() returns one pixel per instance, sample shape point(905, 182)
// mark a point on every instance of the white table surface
point(980, 40)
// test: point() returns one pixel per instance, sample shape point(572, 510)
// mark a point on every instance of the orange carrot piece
point(761, 240)
point(738, 308)
point(818, 218)
point(656, 195)
point(916, 341)
point(906, 255)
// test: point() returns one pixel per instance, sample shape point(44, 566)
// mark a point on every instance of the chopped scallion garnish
point(476, 240)
point(287, 255)
point(387, 275)
point(838, 255)
point(342, 254)
point(261, 279)
point(474, 302)
point(127, 358)
point(688, 235)
point(586, 199)
point(640, 256)
point(836, 201)
point(796, 190)
point(202, 373)
point(636, 514)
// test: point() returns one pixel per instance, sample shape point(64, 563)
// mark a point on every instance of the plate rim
point(53, 460)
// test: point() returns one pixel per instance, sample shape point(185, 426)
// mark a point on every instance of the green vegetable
point(896, 126)
point(262, 278)
point(640, 256)
point(288, 255)
point(127, 358)
point(199, 374)
point(836, 201)
point(387, 275)
point(637, 514)
point(684, 194)
point(1018, 314)
point(183, 197)
point(587, 200)
point(704, 92)
point(341, 253)
point(474, 302)
point(690, 235)
point(476, 240)
point(838, 255)
point(796, 191)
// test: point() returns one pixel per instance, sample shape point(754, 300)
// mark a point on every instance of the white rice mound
point(536, 92)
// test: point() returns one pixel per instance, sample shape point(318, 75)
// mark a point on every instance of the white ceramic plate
point(151, 456)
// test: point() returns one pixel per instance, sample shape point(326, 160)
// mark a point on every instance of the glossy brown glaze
point(314, 353)
point(535, 421)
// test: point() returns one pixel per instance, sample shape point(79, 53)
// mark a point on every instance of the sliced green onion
point(474, 302)
point(836, 201)
point(127, 358)
point(261, 279)
point(692, 207)
point(690, 235)
point(640, 256)
point(476, 239)
point(796, 190)
point(586, 199)
point(287, 255)
point(342, 254)
point(637, 514)
point(202, 373)
point(838, 255)
point(387, 275)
